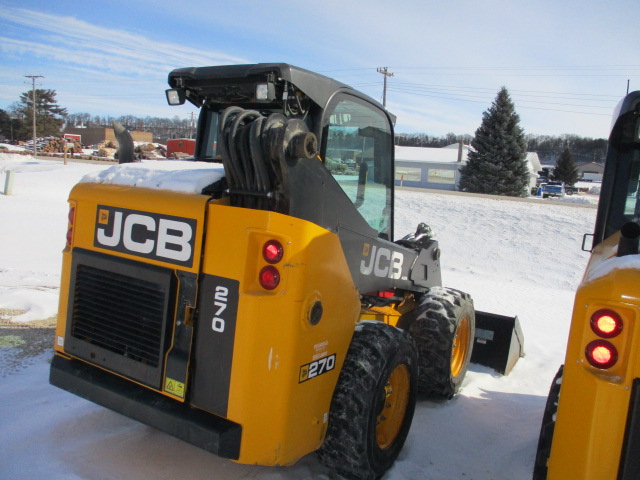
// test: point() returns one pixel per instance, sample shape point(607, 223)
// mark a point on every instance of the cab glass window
point(358, 150)
point(632, 203)
point(629, 149)
point(207, 145)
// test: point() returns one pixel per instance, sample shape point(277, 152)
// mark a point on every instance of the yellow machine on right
point(591, 424)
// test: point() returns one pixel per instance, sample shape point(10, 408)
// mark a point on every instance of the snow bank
point(591, 199)
point(33, 232)
point(38, 302)
point(23, 164)
point(12, 148)
point(174, 175)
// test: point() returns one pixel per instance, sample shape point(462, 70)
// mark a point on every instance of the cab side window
point(357, 150)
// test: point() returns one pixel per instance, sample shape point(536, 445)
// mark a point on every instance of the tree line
point(17, 120)
point(548, 147)
point(162, 128)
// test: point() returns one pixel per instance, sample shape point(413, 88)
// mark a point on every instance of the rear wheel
point(546, 429)
point(373, 403)
point(443, 327)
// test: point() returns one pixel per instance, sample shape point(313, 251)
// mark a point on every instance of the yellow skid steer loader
point(591, 424)
point(268, 313)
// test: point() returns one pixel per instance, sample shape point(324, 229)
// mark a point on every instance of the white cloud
point(76, 42)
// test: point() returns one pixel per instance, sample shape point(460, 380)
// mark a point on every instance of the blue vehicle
point(553, 189)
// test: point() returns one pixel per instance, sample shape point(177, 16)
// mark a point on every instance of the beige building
point(439, 168)
point(591, 171)
point(96, 135)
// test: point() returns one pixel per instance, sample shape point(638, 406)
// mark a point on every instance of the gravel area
point(20, 342)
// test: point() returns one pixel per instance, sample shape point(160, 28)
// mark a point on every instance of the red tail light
point(269, 277)
point(386, 293)
point(606, 323)
point(272, 251)
point(601, 354)
point(72, 218)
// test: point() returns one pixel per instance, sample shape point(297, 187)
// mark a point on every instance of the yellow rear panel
point(94, 206)
point(592, 412)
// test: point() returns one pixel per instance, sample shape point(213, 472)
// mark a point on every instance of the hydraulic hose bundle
point(257, 152)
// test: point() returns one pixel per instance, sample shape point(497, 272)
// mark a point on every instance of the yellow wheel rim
point(391, 417)
point(460, 347)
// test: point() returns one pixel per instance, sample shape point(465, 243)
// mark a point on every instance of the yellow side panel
point(274, 394)
point(63, 300)
point(593, 406)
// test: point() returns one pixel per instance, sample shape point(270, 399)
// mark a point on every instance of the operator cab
point(354, 132)
point(620, 192)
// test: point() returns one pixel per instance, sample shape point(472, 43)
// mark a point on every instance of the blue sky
point(566, 64)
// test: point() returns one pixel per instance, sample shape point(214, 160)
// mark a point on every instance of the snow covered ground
point(515, 258)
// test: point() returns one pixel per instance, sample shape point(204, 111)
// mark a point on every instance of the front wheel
point(546, 429)
point(373, 403)
point(443, 326)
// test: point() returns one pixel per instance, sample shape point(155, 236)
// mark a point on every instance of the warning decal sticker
point(174, 387)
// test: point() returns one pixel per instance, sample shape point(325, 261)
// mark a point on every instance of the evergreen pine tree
point(565, 170)
point(6, 125)
point(49, 115)
point(497, 165)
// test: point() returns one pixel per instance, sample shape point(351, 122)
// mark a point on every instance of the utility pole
point(33, 89)
point(191, 126)
point(383, 71)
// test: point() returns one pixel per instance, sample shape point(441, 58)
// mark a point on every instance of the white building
point(439, 168)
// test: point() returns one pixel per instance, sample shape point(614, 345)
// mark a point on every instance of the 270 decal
point(320, 366)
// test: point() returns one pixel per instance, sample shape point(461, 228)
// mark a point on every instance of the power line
point(516, 97)
point(520, 106)
point(409, 69)
point(532, 93)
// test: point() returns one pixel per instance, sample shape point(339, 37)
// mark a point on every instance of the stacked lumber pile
point(179, 155)
point(149, 151)
point(56, 145)
point(106, 149)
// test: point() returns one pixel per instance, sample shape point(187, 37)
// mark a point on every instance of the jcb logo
point(381, 261)
point(150, 235)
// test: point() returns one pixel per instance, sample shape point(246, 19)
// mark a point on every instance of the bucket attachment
point(499, 342)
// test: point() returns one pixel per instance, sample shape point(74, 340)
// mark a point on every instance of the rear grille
point(121, 314)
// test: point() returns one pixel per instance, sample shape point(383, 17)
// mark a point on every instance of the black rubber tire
point(351, 447)
point(547, 427)
point(434, 325)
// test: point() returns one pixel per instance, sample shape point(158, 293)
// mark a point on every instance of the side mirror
point(175, 96)
point(584, 241)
